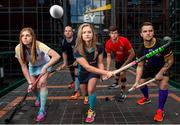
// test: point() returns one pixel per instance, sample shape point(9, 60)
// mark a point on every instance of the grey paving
point(65, 111)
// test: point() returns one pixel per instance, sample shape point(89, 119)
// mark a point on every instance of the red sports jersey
point(119, 48)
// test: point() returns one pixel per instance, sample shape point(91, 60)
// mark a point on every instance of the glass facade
point(17, 14)
point(78, 15)
point(126, 14)
point(80, 7)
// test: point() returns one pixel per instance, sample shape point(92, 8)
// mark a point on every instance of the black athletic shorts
point(85, 77)
point(151, 73)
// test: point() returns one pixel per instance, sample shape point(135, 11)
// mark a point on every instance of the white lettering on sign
point(89, 17)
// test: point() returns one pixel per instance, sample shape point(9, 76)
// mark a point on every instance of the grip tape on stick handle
point(145, 83)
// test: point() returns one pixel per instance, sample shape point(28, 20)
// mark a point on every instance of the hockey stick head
point(18, 106)
point(7, 121)
point(167, 39)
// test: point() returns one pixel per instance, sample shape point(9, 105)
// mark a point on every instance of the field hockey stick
point(147, 56)
point(140, 85)
point(19, 105)
point(69, 66)
point(129, 90)
point(66, 67)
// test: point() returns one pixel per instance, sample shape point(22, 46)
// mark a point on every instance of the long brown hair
point(80, 44)
point(23, 47)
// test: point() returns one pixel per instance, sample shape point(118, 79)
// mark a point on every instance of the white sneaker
point(124, 96)
point(121, 97)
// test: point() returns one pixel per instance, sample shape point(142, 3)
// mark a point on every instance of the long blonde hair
point(80, 44)
point(23, 47)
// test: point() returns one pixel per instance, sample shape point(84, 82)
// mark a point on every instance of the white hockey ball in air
point(56, 11)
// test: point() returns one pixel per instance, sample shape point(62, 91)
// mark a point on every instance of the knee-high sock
point(163, 94)
point(37, 94)
point(77, 85)
point(92, 101)
point(145, 92)
point(43, 96)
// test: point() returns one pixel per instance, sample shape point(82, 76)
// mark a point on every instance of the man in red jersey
point(123, 52)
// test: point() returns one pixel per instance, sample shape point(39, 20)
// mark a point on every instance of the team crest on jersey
point(146, 61)
point(121, 48)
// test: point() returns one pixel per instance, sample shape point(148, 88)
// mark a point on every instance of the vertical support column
point(65, 13)
point(113, 12)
